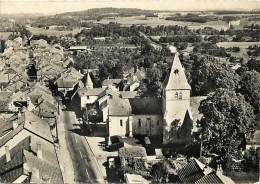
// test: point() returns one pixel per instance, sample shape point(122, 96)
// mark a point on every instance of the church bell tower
point(176, 103)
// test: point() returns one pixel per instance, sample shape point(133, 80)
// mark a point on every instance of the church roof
point(176, 79)
point(148, 105)
point(89, 83)
point(119, 107)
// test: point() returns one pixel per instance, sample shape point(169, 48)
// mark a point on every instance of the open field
point(48, 32)
point(39, 31)
point(237, 44)
point(155, 21)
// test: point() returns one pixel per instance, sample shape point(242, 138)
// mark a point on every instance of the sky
point(59, 6)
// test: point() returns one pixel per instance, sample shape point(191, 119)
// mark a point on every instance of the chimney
point(15, 124)
point(7, 153)
point(39, 150)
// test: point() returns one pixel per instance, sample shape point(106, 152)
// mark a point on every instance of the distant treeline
point(193, 18)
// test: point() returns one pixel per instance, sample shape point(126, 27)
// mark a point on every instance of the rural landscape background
point(149, 91)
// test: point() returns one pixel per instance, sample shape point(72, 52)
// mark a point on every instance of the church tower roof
point(176, 79)
point(88, 83)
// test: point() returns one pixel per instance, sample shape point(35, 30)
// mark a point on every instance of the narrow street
point(85, 169)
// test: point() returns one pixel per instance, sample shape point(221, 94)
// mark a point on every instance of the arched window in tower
point(176, 95)
point(180, 95)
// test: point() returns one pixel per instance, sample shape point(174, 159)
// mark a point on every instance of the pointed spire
point(176, 78)
point(88, 83)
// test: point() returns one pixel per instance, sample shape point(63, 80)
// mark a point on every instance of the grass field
point(237, 44)
point(38, 31)
point(155, 21)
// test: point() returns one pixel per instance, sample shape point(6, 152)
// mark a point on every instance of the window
point(180, 95)
point(121, 122)
point(176, 95)
point(158, 123)
point(139, 122)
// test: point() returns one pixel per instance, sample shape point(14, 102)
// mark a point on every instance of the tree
point(254, 64)
point(250, 88)
point(227, 121)
point(209, 74)
point(24, 32)
point(117, 71)
point(152, 85)
point(159, 172)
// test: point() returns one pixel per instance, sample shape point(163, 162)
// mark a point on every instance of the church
point(168, 117)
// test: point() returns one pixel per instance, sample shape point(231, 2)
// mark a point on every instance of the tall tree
point(209, 74)
point(152, 85)
point(250, 88)
point(227, 121)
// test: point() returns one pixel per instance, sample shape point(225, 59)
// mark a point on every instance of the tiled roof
point(45, 109)
point(146, 105)
point(32, 123)
point(130, 152)
point(129, 94)
point(10, 171)
point(107, 82)
point(5, 127)
point(17, 86)
point(19, 96)
point(91, 92)
point(210, 178)
point(25, 152)
point(37, 125)
point(48, 172)
point(69, 79)
point(66, 83)
point(190, 173)
point(10, 135)
point(119, 107)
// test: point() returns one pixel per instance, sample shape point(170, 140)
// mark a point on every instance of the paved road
point(85, 169)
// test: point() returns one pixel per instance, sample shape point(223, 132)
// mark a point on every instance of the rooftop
point(108, 82)
point(129, 94)
point(91, 91)
point(119, 107)
point(32, 123)
point(26, 152)
point(176, 79)
point(146, 105)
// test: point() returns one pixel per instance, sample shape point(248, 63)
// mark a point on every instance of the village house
point(26, 163)
point(68, 83)
point(22, 125)
point(134, 78)
point(114, 84)
point(14, 102)
point(198, 173)
point(27, 152)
